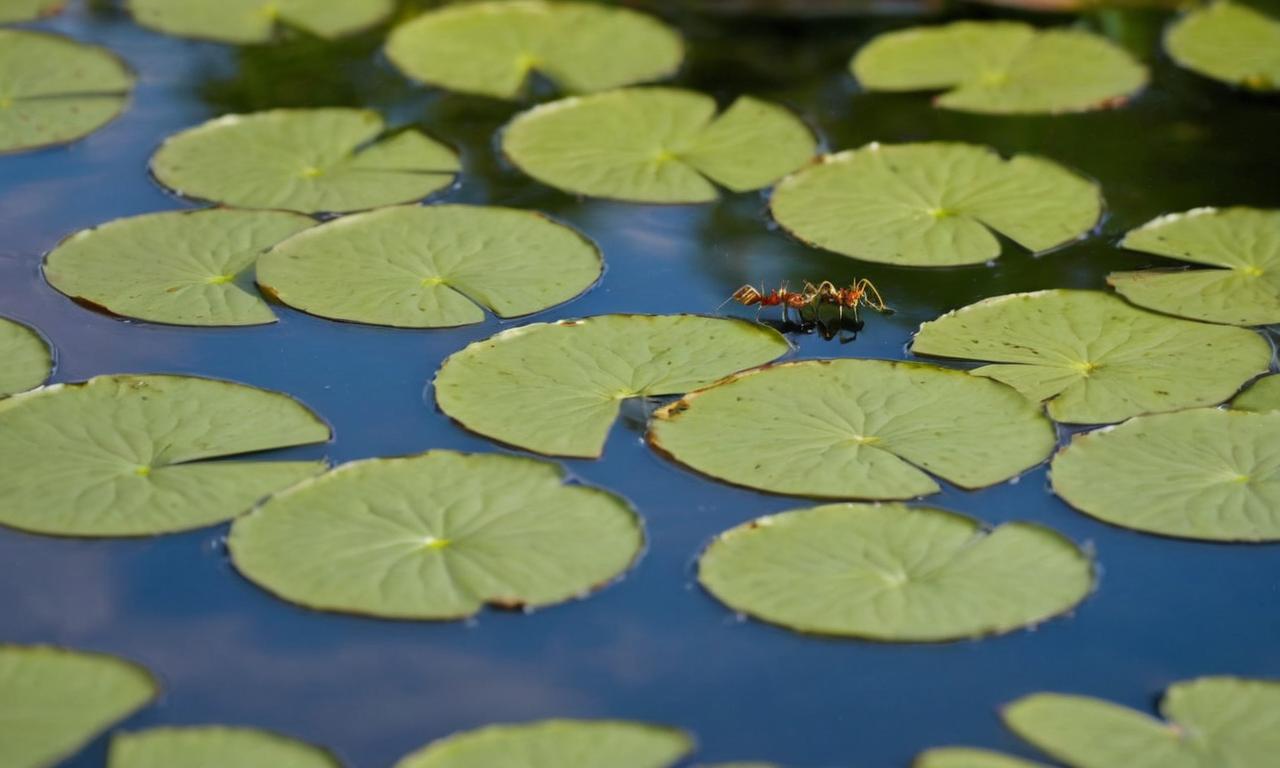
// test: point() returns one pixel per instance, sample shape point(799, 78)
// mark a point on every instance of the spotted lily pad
point(305, 160)
point(28, 10)
point(934, 204)
point(854, 429)
point(214, 746)
point(1002, 67)
point(1094, 358)
point(557, 744)
point(895, 573)
point(657, 145)
point(416, 267)
point(126, 455)
point(25, 360)
point(258, 21)
point(1200, 474)
point(964, 757)
point(1262, 395)
point(556, 388)
point(181, 267)
point(54, 90)
point(54, 701)
point(1243, 242)
point(1229, 42)
point(492, 48)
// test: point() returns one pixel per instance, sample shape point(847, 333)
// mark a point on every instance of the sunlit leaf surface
point(1261, 395)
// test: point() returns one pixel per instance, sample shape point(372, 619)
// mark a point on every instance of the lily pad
point(305, 160)
point(1262, 395)
point(126, 455)
point(54, 701)
point(416, 267)
point(657, 145)
point(1211, 722)
point(1094, 358)
point(934, 204)
point(1002, 67)
point(54, 90)
point(180, 267)
point(436, 536)
point(12, 11)
point(214, 746)
point(492, 48)
point(557, 744)
point(556, 388)
point(1201, 474)
point(1244, 242)
point(258, 21)
point(1228, 42)
point(25, 360)
point(854, 429)
point(964, 757)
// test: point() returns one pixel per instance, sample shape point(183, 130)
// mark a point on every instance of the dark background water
point(653, 647)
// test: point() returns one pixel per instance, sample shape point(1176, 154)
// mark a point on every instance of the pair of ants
point(809, 301)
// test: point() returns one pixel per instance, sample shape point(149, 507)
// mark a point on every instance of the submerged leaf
point(12, 11)
point(557, 744)
point(1262, 395)
point(1229, 42)
point(25, 360)
point(214, 746)
point(258, 21)
point(965, 757)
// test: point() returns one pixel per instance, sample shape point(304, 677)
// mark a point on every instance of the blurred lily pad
point(1094, 358)
point(54, 90)
point(305, 160)
point(492, 48)
point(25, 360)
point(1201, 474)
point(1262, 395)
point(1230, 42)
point(437, 536)
point(428, 267)
point(12, 11)
point(934, 204)
point(657, 145)
point(258, 21)
point(557, 744)
point(1243, 242)
point(126, 455)
point(214, 746)
point(1002, 67)
point(54, 701)
point(556, 388)
point(964, 757)
point(179, 267)
point(854, 429)
point(894, 573)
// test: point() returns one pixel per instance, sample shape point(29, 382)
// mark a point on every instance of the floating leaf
point(214, 746)
point(1093, 357)
point(1245, 241)
point(416, 267)
point(556, 388)
point(492, 48)
point(125, 455)
point(1200, 474)
point(54, 90)
point(1262, 395)
point(180, 267)
point(557, 744)
point(1228, 42)
point(895, 573)
point(25, 361)
point(1002, 67)
point(436, 536)
point(964, 757)
point(657, 145)
point(28, 10)
point(934, 204)
point(258, 21)
point(865, 429)
point(305, 160)
point(54, 701)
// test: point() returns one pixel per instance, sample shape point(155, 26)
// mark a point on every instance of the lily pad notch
point(245, 22)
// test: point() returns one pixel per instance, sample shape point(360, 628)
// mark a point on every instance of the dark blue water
point(652, 647)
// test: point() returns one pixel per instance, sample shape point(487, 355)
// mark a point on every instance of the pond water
point(654, 646)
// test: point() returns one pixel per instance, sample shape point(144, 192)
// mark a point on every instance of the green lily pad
point(258, 21)
point(934, 204)
point(964, 757)
point(1228, 42)
point(1094, 358)
point(1002, 67)
point(1244, 242)
point(1201, 474)
point(180, 267)
point(894, 573)
point(305, 160)
point(25, 360)
point(557, 744)
point(491, 48)
point(436, 536)
point(54, 90)
point(657, 145)
point(214, 746)
point(12, 11)
point(1262, 395)
point(556, 388)
point(430, 267)
point(54, 701)
point(125, 455)
point(854, 429)
point(1211, 722)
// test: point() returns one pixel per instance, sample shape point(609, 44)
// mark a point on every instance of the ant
point(862, 293)
point(748, 296)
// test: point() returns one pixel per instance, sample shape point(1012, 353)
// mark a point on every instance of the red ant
point(747, 295)
point(861, 293)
